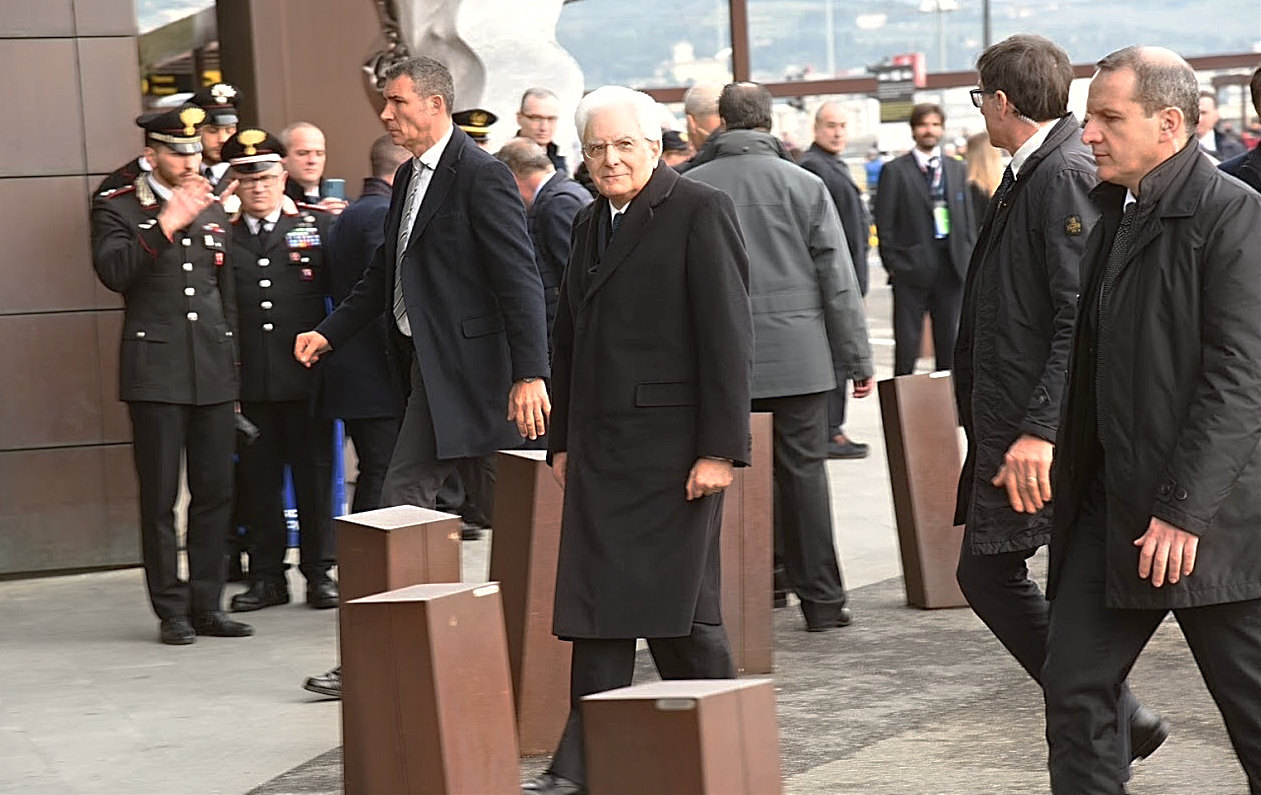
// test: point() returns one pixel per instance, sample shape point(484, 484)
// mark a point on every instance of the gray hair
point(702, 100)
point(640, 104)
point(1161, 80)
point(524, 156)
point(430, 78)
point(538, 93)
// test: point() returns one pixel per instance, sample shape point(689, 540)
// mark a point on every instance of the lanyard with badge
point(941, 212)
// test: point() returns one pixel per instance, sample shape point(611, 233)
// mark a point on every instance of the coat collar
point(1060, 132)
point(441, 182)
point(634, 226)
point(750, 142)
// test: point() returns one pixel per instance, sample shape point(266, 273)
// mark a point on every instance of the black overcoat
point(178, 342)
point(1019, 302)
point(652, 370)
point(473, 295)
point(1181, 414)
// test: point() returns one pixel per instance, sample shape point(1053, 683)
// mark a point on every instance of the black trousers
point(803, 510)
point(601, 665)
point(416, 473)
point(205, 436)
point(837, 400)
point(942, 299)
point(1091, 649)
point(374, 440)
point(288, 434)
point(1010, 603)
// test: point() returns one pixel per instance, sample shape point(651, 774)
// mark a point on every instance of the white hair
point(640, 104)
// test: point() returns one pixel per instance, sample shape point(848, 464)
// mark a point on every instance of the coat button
point(263, 262)
point(1164, 489)
point(190, 291)
point(191, 316)
point(188, 266)
point(1180, 494)
point(268, 327)
point(265, 304)
point(264, 283)
point(140, 334)
point(188, 241)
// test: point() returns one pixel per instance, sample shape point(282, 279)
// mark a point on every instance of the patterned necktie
point(410, 207)
point(1004, 187)
point(932, 177)
point(1116, 259)
point(617, 221)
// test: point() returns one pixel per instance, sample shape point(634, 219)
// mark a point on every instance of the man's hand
point(863, 388)
point(188, 200)
point(309, 346)
point(1167, 553)
point(559, 460)
point(709, 476)
point(1026, 473)
point(334, 206)
point(530, 408)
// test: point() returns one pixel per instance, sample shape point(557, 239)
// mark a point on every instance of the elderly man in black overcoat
point(651, 371)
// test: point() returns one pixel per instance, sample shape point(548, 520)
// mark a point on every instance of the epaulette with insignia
point(119, 191)
point(306, 206)
point(144, 191)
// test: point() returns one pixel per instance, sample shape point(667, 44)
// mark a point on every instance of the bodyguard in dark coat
point(1158, 464)
point(1019, 303)
point(927, 227)
point(652, 366)
point(362, 382)
point(164, 244)
point(1247, 165)
point(281, 290)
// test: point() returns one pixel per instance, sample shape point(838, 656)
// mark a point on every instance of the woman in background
point(985, 171)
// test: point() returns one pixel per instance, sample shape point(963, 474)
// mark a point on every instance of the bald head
point(1162, 79)
point(700, 105)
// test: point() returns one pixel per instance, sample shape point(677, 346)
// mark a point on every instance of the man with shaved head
point(1157, 451)
point(700, 106)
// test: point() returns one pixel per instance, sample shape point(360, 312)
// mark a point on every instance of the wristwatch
point(529, 379)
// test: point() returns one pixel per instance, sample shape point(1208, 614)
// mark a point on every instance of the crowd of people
point(1094, 298)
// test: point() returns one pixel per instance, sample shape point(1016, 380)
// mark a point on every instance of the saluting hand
point(188, 200)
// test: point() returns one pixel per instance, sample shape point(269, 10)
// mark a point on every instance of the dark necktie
point(1116, 259)
point(1004, 187)
point(932, 178)
point(617, 222)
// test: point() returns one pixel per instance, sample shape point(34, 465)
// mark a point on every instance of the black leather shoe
point(843, 619)
point(322, 595)
point(847, 449)
point(218, 625)
point(176, 632)
point(548, 783)
point(329, 684)
point(260, 594)
point(1147, 732)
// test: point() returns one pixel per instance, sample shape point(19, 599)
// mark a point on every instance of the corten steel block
point(392, 548)
point(523, 554)
point(921, 436)
point(429, 666)
point(683, 737)
point(747, 555)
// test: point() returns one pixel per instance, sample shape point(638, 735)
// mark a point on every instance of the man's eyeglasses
point(540, 119)
point(265, 181)
point(978, 95)
point(624, 146)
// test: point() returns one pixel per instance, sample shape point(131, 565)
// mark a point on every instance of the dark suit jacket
point(551, 223)
point(904, 220)
point(653, 359)
point(473, 296)
point(1246, 167)
point(281, 285)
point(360, 380)
point(178, 342)
point(849, 204)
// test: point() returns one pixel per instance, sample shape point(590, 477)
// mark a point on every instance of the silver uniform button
point(190, 291)
point(188, 266)
point(188, 241)
point(263, 262)
point(267, 327)
point(264, 283)
point(140, 334)
point(191, 316)
point(266, 305)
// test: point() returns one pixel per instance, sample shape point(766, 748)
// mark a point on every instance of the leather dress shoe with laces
point(329, 684)
point(548, 783)
point(322, 595)
point(261, 594)
point(841, 618)
point(176, 631)
point(1147, 731)
point(218, 625)
point(847, 448)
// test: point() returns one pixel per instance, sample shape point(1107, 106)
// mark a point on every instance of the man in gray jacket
point(808, 323)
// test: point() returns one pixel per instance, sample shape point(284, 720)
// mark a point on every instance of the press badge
point(941, 219)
